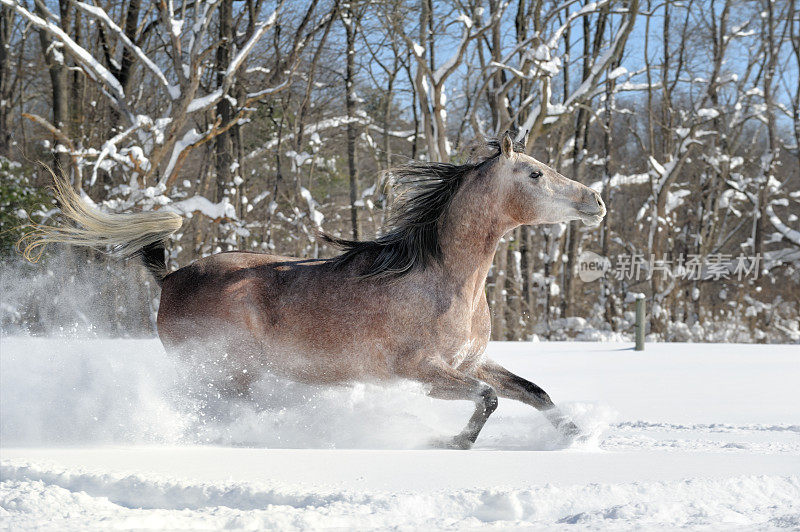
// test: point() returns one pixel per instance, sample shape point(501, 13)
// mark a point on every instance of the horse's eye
point(536, 174)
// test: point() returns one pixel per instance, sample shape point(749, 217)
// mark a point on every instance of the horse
point(410, 304)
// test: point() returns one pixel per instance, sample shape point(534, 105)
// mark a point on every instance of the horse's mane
point(412, 236)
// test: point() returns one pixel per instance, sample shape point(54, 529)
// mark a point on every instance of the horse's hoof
point(570, 433)
point(569, 429)
point(456, 442)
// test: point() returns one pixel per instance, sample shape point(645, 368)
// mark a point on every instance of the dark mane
point(412, 238)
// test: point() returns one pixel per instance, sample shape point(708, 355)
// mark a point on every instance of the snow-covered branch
point(598, 69)
point(90, 65)
point(101, 15)
point(205, 102)
point(792, 235)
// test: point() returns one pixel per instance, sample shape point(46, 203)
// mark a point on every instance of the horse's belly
point(325, 367)
point(241, 346)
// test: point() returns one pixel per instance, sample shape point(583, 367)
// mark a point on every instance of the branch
point(62, 138)
point(791, 234)
point(110, 147)
point(205, 102)
point(598, 68)
point(89, 64)
point(105, 19)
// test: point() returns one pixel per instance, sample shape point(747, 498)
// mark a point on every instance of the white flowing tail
point(126, 234)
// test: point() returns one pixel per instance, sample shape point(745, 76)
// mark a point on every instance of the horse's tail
point(127, 234)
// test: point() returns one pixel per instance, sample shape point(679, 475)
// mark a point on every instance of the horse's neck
point(468, 240)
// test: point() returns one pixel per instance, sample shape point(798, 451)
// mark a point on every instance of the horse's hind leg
point(448, 383)
point(515, 387)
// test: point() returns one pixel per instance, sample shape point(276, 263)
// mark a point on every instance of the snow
point(97, 434)
point(201, 204)
point(658, 167)
point(599, 66)
point(619, 180)
point(546, 63)
point(675, 199)
point(124, 156)
point(190, 137)
point(329, 123)
point(58, 57)
point(204, 102)
point(707, 113)
point(316, 216)
point(260, 197)
point(177, 27)
point(791, 234)
point(617, 72)
point(299, 159)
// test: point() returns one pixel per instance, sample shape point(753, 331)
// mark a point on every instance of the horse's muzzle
point(591, 209)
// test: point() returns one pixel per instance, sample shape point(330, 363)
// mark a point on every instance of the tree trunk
point(223, 143)
point(607, 296)
point(223, 147)
point(128, 57)
point(352, 133)
point(772, 141)
point(54, 58)
point(387, 107)
point(76, 81)
point(5, 82)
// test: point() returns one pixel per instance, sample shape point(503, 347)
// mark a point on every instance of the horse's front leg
point(448, 383)
point(513, 386)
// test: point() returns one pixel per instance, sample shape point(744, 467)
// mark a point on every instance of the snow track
point(94, 436)
point(34, 497)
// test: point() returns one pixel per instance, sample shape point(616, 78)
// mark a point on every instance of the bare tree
point(351, 18)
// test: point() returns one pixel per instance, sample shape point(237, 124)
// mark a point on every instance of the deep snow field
point(101, 434)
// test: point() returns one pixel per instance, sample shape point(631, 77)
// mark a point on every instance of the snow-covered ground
point(101, 434)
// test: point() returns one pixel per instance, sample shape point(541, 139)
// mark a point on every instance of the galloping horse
point(410, 304)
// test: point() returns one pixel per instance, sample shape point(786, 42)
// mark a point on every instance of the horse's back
point(213, 291)
point(230, 261)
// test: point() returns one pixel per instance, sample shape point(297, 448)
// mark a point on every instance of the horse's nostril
point(597, 199)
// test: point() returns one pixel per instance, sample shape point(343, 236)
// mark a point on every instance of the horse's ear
point(507, 146)
point(526, 139)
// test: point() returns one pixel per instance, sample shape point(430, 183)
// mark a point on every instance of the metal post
point(640, 326)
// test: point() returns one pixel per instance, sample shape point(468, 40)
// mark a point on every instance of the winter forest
point(265, 123)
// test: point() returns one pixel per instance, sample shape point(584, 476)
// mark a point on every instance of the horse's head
point(533, 193)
